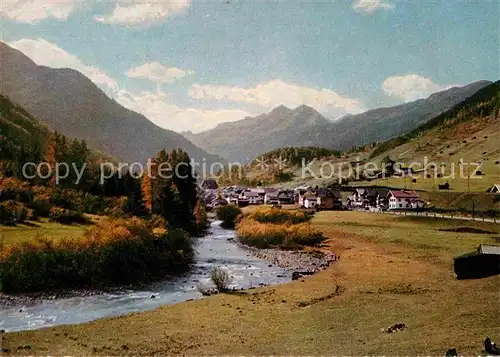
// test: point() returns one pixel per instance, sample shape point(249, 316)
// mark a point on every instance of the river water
point(215, 249)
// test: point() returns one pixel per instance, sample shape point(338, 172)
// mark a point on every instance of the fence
point(442, 215)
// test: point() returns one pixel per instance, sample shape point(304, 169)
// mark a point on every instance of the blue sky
point(189, 65)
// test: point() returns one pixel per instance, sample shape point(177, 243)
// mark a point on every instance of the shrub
point(116, 211)
point(156, 221)
point(284, 236)
point(277, 216)
point(12, 212)
point(66, 216)
point(81, 201)
point(228, 215)
point(221, 279)
point(201, 218)
point(41, 206)
point(115, 251)
point(13, 189)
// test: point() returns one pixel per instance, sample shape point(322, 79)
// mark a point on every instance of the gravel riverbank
point(300, 261)
point(10, 300)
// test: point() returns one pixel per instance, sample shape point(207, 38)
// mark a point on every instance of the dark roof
point(337, 194)
point(210, 184)
point(324, 192)
point(374, 191)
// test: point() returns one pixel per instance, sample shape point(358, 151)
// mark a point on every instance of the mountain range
point(246, 139)
point(69, 102)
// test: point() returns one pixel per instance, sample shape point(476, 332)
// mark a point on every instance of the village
point(373, 199)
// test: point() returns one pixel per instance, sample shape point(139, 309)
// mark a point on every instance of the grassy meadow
point(31, 230)
point(391, 269)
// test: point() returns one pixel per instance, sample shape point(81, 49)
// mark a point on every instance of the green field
point(391, 269)
point(43, 228)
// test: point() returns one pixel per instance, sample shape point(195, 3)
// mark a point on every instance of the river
point(216, 249)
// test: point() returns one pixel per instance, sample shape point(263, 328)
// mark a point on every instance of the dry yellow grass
point(277, 215)
point(391, 269)
point(282, 235)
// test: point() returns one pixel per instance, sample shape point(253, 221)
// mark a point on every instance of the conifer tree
point(50, 156)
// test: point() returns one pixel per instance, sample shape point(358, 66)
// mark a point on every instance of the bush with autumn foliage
point(52, 202)
point(12, 212)
point(113, 252)
point(201, 221)
point(228, 215)
point(67, 216)
point(277, 228)
point(122, 249)
point(282, 236)
point(276, 215)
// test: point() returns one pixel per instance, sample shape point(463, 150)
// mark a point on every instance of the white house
point(271, 197)
point(357, 198)
point(416, 204)
point(301, 191)
point(253, 197)
point(404, 200)
point(310, 201)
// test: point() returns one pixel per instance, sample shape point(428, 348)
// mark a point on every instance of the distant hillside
point(245, 139)
point(473, 114)
point(468, 132)
point(72, 104)
point(293, 156)
point(23, 139)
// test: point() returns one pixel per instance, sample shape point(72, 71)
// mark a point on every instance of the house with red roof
point(403, 199)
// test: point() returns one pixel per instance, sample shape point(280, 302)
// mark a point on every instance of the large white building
point(404, 200)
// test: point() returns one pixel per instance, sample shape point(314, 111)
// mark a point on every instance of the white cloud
point(411, 87)
point(143, 12)
point(159, 73)
point(33, 11)
point(370, 6)
point(48, 54)
point(156, 107)
point(271, 94)
point(126, 12)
